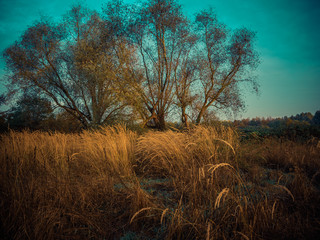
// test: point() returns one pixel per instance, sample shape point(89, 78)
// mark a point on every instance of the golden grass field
point(202, 183)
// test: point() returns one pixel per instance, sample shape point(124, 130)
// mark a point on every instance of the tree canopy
point(148, 60)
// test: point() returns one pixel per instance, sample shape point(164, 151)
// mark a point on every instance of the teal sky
point(288, 37)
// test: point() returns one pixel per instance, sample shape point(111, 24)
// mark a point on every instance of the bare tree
point(224, 63)
point(158, 32)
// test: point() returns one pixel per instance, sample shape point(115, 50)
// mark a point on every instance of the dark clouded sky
point(288, 37)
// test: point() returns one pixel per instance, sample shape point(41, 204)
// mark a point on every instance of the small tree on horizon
point(316, 118)
point(30, 111)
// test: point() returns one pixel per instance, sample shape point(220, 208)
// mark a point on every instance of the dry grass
point(198, 184)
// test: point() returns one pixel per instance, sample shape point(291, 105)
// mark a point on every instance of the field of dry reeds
point(202, 183)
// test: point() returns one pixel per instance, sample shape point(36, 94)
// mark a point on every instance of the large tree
point(199, 66)
point(77, 63)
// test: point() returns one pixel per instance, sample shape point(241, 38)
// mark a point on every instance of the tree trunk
point(200, 115)
point(184, 117)
point(161, 123)
point(158, 121)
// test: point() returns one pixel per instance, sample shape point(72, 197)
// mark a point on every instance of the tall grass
point(62, 185)
point(198, 184)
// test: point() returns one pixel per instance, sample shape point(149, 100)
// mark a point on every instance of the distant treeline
point(301, 126)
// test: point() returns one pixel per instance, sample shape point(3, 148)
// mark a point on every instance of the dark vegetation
point(301, 127)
